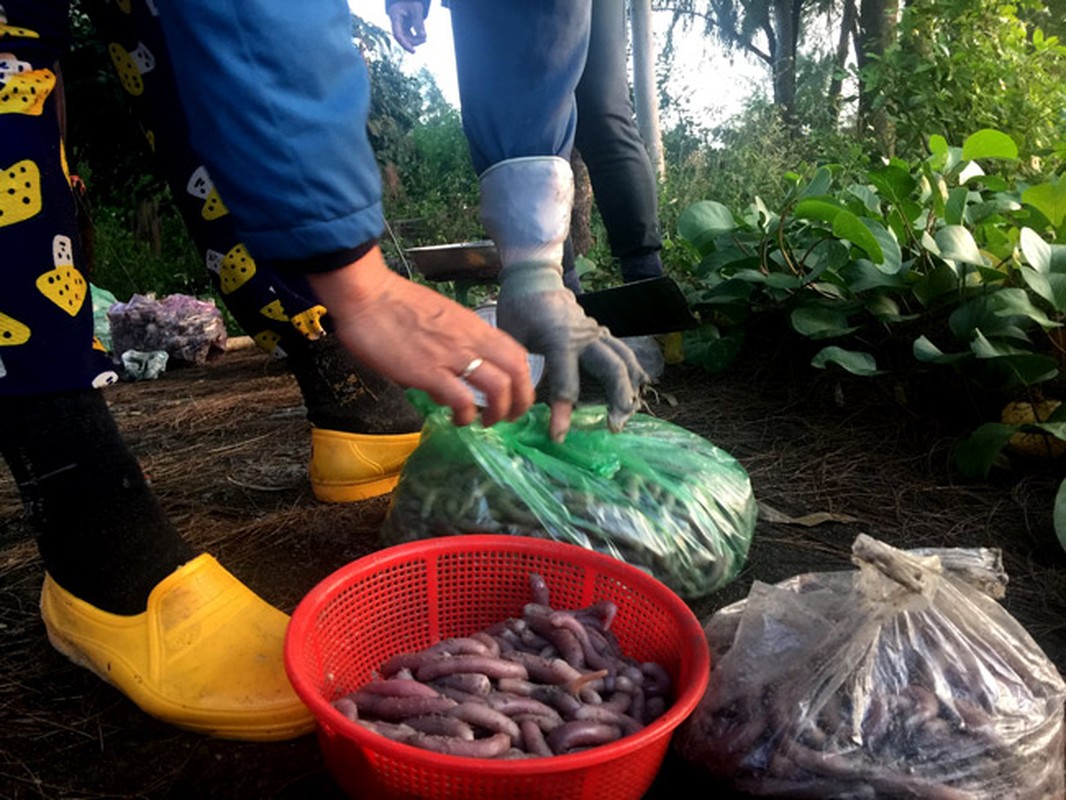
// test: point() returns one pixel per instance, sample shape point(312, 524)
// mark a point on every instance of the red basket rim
point(332, 722)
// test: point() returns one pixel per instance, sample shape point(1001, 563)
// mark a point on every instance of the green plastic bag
point(102, 302)
point(655, 495)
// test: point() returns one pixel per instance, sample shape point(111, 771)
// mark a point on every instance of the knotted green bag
point(655, 495)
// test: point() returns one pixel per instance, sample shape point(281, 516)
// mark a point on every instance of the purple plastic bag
point(187, 329)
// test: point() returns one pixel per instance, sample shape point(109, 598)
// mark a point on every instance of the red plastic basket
point(407, 597)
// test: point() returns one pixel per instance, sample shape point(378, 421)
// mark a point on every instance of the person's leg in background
point(362, 427)
point(623, 179)
point(124, 595)
point(518, 65)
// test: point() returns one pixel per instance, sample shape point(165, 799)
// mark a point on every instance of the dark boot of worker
point(640, 266)
point(362, 426)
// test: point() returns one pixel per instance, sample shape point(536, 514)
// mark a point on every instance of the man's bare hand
point(408, 24)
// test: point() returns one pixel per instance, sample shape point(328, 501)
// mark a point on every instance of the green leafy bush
point(962, 264)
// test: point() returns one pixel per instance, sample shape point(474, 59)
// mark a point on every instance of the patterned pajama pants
point(46, 323)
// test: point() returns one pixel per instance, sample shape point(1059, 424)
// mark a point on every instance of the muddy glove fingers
point(615, 366)
point(553, 324)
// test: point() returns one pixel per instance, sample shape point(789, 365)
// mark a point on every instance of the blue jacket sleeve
point(277, 97)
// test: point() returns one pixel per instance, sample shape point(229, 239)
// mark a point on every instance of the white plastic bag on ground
point(899, 680)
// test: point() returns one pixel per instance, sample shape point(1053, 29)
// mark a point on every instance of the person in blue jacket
point(362, 428)
point(276, 98)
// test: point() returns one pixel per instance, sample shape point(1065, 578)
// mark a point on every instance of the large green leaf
point(939, 282)
point(778, 280)
point(783, 280)
point(938, 145)
point(893, 182)
point(831, 254)
point(943, 157)
point(989, 143)
point(819, 184)
point(855, 362)
point(1019, 370)
point(704, 221)
point(1042, 256)
point(977, 454)
point(1049, 199)
point(820, 322)
point(997, 313)
point(956, 243)
point(979, 212)
point(1036, 251)
point(928, 353)
point(870, 199)
point(850, 227)
point(955, 208)
point(731, 256)
point(707, 347)
point(1059, 514)
point(1008, 303)
point(844, 224)
point(1051, 287)
point(986, 348)
point(818, 208)
point(862, 275)
point(891, 255)
point(1056, 429)
point(886, 309)
point(728, 291)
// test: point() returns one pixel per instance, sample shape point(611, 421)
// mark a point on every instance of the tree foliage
point(963, 65)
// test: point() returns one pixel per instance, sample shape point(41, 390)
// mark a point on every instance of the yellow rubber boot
point(356, 466)
point(207, 655)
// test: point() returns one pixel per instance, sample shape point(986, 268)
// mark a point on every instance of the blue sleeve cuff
point(327, 262)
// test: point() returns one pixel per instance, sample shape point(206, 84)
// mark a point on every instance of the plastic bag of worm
point(653, 495)
point(900, 679)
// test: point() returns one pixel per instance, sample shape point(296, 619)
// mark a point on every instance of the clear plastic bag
point(187, 329)
point(900, 680)
point(654, 495)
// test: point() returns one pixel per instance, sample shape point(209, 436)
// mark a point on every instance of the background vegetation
point(892, 204)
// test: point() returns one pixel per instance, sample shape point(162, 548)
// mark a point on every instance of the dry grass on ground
point(226, 448)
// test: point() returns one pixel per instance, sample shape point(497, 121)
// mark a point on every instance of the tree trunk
point(877, 30)
point(581, 214)
point(783, 68)
point(646, 98)
point(847, 33)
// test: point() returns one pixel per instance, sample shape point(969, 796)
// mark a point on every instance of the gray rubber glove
point(525, 208)
point(537, 310)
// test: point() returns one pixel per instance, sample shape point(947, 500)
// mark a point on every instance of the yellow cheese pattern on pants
point(46, 325)
point(23, 90)
point(272, 308)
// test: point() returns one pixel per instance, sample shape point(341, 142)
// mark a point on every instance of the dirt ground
point(226, 447)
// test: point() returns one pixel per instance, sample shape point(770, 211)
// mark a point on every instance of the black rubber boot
point(342, 394)
point(100, 530)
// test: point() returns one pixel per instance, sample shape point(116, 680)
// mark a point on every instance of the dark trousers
point(622, 176)
point(538, 78)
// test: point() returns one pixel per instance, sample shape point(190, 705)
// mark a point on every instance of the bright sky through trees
point(712, 84)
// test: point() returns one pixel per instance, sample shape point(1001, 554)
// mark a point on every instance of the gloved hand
point(525, 208)
point(537, 310)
